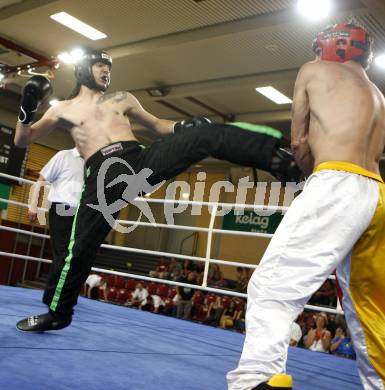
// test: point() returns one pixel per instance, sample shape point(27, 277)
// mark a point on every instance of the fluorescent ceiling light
point(78, 26)
point(314, 9)
point(274, 95)
point(77, 54)
point(66, 58)
point(380, 61)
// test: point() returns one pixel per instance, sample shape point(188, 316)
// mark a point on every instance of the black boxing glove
point(36, 90)
point(284, 167)
point(190, 123)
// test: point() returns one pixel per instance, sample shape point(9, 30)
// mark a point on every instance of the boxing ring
point(115, 347)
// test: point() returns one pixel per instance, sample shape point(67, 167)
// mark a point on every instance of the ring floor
point(114, 347)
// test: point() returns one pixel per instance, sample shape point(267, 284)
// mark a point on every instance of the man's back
point(347, 114)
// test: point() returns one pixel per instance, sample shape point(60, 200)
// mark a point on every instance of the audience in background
point(138, 297)
point(214, 274)
point(93, 284)
point(185, 303)
point(318, 338)
point(342, 345)
point(239, 323)
point(229, 315)
point(214, 311)
point(295, 334)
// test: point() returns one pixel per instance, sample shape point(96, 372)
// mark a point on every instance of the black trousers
point(166, 158)
point(60, 226)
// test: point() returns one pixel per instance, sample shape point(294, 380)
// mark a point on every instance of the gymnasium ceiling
point(209, 55)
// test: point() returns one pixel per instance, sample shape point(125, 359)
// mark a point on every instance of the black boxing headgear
point(343, 42)
point(83, 68)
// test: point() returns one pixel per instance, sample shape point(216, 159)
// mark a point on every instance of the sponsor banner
point(252, 222)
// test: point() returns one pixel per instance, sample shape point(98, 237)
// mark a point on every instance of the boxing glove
point(284, 167)
point(190, 123)
point(36, 90)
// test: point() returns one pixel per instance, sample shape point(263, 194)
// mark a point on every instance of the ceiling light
point(77, 54)
point(78, 26)
point(185, 195)
point(314, 9)
point(66, 58)
point(380, 61)
point(274, 95)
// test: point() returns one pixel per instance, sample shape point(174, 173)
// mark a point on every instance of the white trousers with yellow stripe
point(338, 221)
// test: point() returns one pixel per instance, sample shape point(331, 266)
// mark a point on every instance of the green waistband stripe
point(262, 129)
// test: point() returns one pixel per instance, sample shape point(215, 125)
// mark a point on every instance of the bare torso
point(347, 115)
point(99, 121)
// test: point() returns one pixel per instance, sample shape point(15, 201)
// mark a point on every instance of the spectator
point(92, 285)
point(138, 297)
point(158, 303)
point(174, 269)
point(229, 316)
point(199, 267)
point(214, 312)
point(214, 274)
point(221, 282)
point(342, 344)
point(188, 266)
point(318, 338)
point(295, 334)
point(239, 322)
point(184, 305)
point(245, 281)
point(239, 278)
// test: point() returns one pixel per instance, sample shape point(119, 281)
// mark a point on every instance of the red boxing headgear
point(343, 42)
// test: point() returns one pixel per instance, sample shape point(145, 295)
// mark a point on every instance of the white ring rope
point(210, 230)
point(240, 206)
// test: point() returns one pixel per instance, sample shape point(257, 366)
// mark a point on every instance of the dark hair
point(75, 91)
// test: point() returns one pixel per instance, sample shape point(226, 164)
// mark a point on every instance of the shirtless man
point(100, 127)
point(338, 221)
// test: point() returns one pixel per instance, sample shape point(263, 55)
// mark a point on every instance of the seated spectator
point(188, 266)
point(295, 334)
point(138, 297)
point(246, 277)
point(221, 282)
point(174, 269)
point(239, 278)
point(318, 338)
point(229, 315)
point(342, 344)
point(214, 312)
point(199, 267)
point(214, 274)
point(186, 294)
point(171, 305)
point(92, 285)
point(157, 303)
point(239, 322)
